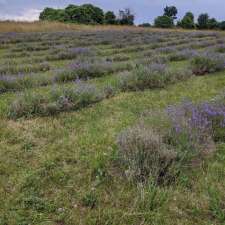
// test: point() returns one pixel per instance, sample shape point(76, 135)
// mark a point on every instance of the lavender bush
point(200, 123)
point(29, 68)
point(177, 138)
point(145, 154)
point(182, 55)
point(207, 62)
point(151, 76)
point(59, 100)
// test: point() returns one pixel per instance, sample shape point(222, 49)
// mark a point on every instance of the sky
point(145, 10)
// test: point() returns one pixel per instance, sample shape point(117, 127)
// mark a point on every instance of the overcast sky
point(145, 10)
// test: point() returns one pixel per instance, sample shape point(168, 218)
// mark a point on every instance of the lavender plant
point(207, 62)
point(180, 137)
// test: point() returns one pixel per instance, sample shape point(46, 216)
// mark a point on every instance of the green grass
point(55, 161)
point(63, 170)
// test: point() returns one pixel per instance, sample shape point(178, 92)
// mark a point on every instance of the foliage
point(207, 62)
point(188, 21)
point(203, 20)
point(151, 76)
point(170, 11)
point(59, 100)
point(213, 23)
point(145, 154)
point(222, 25)
point(145, 25)
point(84, 14)
point(164, 22)
point(51, 14)
point(110, 18)
point(126, 17)
point(180, 137)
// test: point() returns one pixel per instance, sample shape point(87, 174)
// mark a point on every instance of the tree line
point(87, 14)
point(167, 20)
point(90, 14)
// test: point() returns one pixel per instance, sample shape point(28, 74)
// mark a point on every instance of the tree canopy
point(91, 14)
point(87, 14)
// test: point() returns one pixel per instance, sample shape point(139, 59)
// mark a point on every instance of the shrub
point(220, 48)
point(82, 70)
point(12, 83)
point(85, 70)
point(178, 138)
point(59, 100)
point(197, 125)
point(72, 53)
point(145, 155)
point(167, 50)
point(150, 76)
point(182, 55)
point(17, 69)
point(145, 25)
point(26, 105)
point(207, 62)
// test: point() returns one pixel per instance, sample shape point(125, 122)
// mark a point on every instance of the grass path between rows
point(49, 163)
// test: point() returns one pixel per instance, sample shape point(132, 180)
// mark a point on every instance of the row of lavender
point(143, 76)
point(88, 63)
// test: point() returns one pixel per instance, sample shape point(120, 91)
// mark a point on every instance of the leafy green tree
point(188, 21)
point(110, 18)
point(213, 23)
point(164, 22)
point(70, 10)
point(87, 14)
point(126, 17)
point(203, 21)
point(49, 14)
point(170, 11)
point(222, 25)
point(91, 14)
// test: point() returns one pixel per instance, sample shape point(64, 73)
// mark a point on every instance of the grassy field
point(59, 161)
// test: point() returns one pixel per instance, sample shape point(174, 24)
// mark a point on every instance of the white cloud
point(27, 15)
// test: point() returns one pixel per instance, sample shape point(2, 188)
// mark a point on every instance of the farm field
point(67, 101)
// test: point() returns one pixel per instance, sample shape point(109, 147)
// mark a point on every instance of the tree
point(49, 14)
point(222, 25)
point(126, 17)
point(203, 21)
point(110, 18)
point(86, 14)
point(190, 15)
point(213, 23)
point(170, 11)
point(70, 10)
point(94, 14)
point(188, 21)
point(164, 22)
